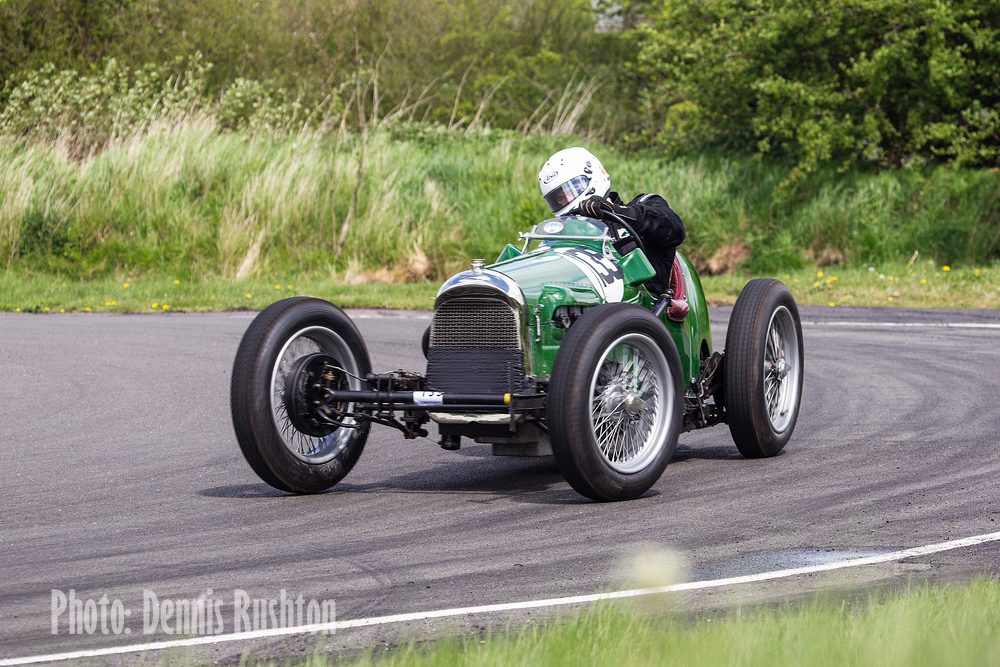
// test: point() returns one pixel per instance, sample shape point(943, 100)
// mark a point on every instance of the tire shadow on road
point(481, 480)
point(708, 453)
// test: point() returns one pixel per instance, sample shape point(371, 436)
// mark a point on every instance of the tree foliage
point(882, 81)
point(877, 82)
point(495, 62)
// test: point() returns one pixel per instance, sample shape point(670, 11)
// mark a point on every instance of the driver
point(574, 181)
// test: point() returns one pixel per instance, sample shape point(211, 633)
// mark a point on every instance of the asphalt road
point(120, 473)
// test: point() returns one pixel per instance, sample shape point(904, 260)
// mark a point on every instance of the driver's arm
point(656, 221)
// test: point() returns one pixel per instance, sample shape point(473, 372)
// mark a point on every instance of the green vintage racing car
point(556, 348)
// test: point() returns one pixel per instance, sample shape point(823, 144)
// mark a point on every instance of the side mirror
point(636, 268)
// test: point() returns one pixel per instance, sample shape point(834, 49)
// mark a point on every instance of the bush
point(875, 81)
point(479, 63)
point(90, 109)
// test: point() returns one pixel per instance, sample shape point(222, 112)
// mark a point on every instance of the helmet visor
point(562, 195)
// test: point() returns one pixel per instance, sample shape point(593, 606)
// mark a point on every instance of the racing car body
point(555, 348)
point(574, 266)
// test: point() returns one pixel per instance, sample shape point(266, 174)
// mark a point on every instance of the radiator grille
point(475, 322)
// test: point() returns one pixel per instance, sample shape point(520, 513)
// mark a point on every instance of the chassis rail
point(315, 398)
point(416, 400)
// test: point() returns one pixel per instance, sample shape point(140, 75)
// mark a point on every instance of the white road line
point(861, 324)
point(508, 606)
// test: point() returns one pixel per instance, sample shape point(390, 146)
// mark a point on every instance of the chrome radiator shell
point(478, 338)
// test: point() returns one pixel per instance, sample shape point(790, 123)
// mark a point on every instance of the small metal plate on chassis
point(529, 441)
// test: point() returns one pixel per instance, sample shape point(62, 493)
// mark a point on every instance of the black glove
point(598, 208)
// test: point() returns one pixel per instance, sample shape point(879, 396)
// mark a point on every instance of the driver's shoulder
point(644, 198)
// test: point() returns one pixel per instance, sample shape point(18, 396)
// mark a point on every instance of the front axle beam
point(418, 399)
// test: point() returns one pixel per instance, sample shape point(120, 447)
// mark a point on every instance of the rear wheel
point(615, 402)
point(763, 368)
point(284, 450)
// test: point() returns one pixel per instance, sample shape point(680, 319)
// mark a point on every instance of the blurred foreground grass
point(957, 625)
point(922, 285)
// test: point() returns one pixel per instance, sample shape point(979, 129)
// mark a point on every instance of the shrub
point(90, 109)
point(876, 81)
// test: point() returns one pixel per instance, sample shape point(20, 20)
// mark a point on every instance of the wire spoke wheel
point(311, 340)
point(631, 398)
point(781, 360)
point(298, 442)
point(615, 402)
point(763, 368)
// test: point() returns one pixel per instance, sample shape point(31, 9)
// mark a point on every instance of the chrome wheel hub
point(308, 448)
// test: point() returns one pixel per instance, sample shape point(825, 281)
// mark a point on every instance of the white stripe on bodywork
point(611, 292)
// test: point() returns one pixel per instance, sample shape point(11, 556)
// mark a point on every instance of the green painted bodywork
point(549, 279)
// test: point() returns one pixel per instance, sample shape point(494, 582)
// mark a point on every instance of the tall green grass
point(413, 202)
point(925, 627)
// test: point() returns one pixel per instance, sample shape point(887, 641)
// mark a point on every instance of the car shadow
point(706, 452)
point(259, 490)
point(480, 477)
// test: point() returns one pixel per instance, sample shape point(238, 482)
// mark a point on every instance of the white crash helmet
point(570, 176)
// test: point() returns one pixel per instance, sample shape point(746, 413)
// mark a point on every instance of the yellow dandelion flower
point(923, 281)
point(18, 309)
point(177, 281)
point(86, 309)
point(830, 279)
point(819, 274)
point(154, 305)
point(278, 286)
point(816, 284)
point(166, 306)
point(62, 310)
point(248, 295)
point(125, 285)
point(946, 268)
point(978, 272)
point(45, 309)
point(831, 304)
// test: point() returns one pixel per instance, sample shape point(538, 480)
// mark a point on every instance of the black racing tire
point(291, 326)
point(761, 425)
point(425, 341)
point(584, 362)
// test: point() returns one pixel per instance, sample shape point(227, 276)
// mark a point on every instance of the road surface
point(120, 473)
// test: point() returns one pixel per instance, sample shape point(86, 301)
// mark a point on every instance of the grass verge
point(921, 285)
point(414, 203)
point(924, 626)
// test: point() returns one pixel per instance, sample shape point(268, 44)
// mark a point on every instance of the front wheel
point(615, 402)
point(286, 451)
point(763, 368)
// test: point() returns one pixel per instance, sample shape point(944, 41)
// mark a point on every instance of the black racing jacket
point(661, 231)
